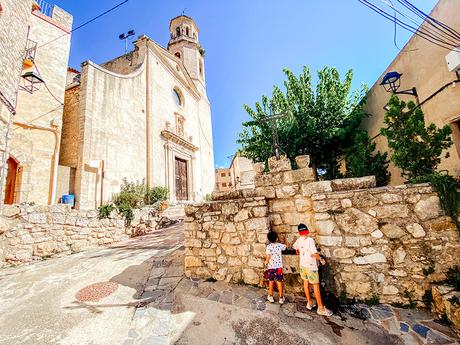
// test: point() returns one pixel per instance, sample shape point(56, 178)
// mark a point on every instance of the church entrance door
point(13, 181)
point(181, 179)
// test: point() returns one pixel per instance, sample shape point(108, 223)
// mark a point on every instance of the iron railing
point(45, 8)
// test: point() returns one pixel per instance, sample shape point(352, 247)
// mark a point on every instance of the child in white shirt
point(274, 267)
point(305, 246)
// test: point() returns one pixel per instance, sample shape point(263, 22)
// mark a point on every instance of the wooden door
point(181, 179)
point(11, 181)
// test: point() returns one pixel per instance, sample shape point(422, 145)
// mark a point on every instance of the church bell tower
point(184, 44)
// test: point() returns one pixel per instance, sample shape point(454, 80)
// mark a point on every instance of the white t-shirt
point(306, 246)
point(274, 250)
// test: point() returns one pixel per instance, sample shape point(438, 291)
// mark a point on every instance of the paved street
point(134, 293)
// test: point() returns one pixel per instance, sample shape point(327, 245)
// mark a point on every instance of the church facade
point(142, 116)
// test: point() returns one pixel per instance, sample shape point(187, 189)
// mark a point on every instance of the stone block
point(287, 191)
point(256, 224)
point(259, 249)
point(259, 168)
point(11, 211)
point(284, 205)
point(354, 221)
point(308, 189)
point(300, 175)
point(255, 262)
point(283, 164)
point(399, 255)
point(229, 208)
point(377, 234)
point(390, 290)
point(243, 250)
point(428, 208)
point(302, 161)
point(275, 219)
point(250, 276)
point(325, 227)
point(37, 218)
point(326, 205)
point(392, 211)
point(416, 230)
point(241, 216)
point(393, 231)
point(230, 250)
point(346, 203)
point(330, 241)
point(370, 259)
point(343, 253)
point(234, 261)
point(194, 243)
point(322, 216)
point(353, 183)
point(261, 211)
point(192, 261)
point(364, 199)
point(390, 198)
point(228, 238)
point(303, 204)
point(294, 218)
point(268, 192)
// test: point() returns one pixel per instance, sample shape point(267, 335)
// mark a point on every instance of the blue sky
point(248, 43)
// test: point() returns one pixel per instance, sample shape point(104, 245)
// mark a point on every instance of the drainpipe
point(54, 162)
point(147, 111)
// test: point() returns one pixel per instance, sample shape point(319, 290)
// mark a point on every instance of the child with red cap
point(305, 246)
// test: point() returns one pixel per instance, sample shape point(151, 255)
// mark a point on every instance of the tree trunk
point(315, 171)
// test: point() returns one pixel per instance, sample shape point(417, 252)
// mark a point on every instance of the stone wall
point(379, 241)
point(30, 233)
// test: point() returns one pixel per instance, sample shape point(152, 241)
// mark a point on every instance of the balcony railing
point(45, 8)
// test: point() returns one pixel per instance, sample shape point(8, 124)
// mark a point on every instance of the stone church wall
point(379, 241)
point(31, 233)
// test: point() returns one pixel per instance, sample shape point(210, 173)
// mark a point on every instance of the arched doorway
point(13, 181)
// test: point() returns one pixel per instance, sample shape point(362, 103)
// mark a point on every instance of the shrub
point(106, 210)
point(360, 160)
point(131, 193)
point(127, 212)
point(155, 194)
point(417, 149)
point(453, 277)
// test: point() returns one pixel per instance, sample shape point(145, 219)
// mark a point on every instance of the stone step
point(174, 212)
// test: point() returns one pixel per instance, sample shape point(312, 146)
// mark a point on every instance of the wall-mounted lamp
point(32, 81)
point(391, 83)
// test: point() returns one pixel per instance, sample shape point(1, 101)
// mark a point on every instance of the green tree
point(319, 122)
point(416, 149)
point(360, 159)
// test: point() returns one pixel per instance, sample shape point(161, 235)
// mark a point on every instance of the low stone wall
point(29, 233)
point(390, 242)
point(446, 305)
point(226, 239)
point(382, 242)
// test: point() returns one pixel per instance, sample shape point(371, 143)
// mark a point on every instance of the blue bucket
point(69, 199)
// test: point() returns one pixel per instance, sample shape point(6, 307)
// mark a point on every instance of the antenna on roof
point(125, 37)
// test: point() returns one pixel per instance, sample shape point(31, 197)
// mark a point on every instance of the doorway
point(181, 179)
point(13, 181)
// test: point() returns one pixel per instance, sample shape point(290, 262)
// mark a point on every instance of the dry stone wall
point(380, 241)
point(30, 233)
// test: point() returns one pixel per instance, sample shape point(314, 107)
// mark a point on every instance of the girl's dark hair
point(272, 236)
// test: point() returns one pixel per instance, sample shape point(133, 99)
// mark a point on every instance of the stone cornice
point(171, 136)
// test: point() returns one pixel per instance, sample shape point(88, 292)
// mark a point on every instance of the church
point(141, 116)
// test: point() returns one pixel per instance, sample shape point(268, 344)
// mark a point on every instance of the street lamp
point(391, 83)
point(31, 82)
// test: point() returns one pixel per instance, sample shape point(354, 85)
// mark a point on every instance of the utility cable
point(418, 31)
point(410, 28)
point(46, 86)
point(85, 23)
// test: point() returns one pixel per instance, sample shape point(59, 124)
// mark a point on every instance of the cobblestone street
point(135, 293)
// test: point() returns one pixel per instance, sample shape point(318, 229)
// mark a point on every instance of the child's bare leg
point(317, 291)
point(279, 286)
point(271, 285)
point(306, 288)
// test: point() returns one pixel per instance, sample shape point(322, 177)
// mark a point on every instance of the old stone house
point(423, 66)
point(143, 115)
point(34, 38)
point(223, 180)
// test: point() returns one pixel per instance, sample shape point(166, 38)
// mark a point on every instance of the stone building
point(143, 115)
point(242, 171)
point(223, 180)
point(14, 23)
point(423, 66)
point(36, 39)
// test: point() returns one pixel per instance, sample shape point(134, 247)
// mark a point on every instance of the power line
point(417, 31)
point(47, 88)
point(421, 31)
point(86, 23)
